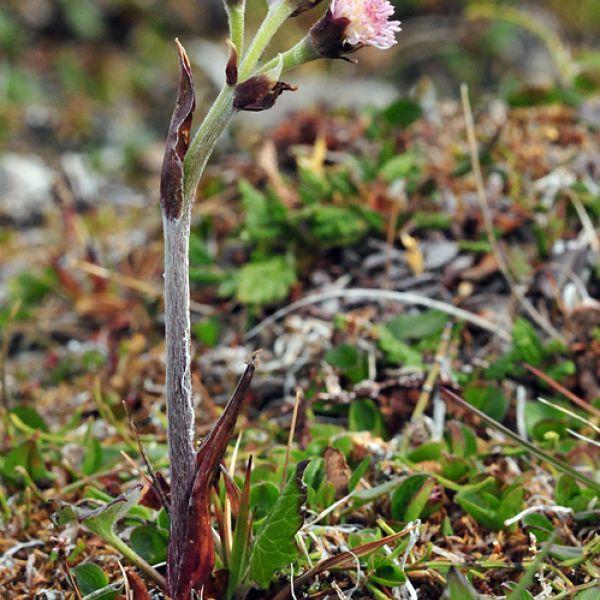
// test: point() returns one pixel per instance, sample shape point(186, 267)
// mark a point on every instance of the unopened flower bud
point(259, 93)
point(349, 25)
point(231, 69)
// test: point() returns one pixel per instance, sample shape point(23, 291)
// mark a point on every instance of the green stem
point(120, 546)
point(204, 141)
point(278, 13)
point(299, 54)
point(236, 17)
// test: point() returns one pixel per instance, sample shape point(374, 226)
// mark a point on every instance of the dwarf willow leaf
point(91, 578)
point(275, 546)
point(365, 416)
point(458, 588)
point(150, 543)
point(410, 498)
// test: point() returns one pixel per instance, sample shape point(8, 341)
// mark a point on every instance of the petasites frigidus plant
point(251, 84)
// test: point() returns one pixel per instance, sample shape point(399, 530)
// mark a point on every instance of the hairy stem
point(278, 13)
point(180, 409)
point(236, 13)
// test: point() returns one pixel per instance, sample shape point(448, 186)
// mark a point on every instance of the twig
point(151, 472)
point(541, 454)
point(489, 225)
point(290, 439)
point(563, 390)
point(571, 414)
point(586, 222)
point(383, 296)
point(433, 373)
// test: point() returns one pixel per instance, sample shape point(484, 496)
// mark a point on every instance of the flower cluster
point(349, 25)
point(368, 22)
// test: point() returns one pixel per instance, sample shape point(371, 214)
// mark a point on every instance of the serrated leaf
point(275, 545)
point(335, 226)
point(265, 281)
point(265, 216)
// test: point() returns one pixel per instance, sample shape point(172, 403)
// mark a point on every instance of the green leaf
point(511, 504)
point(90, 577)
point(488, 399)
point(389, 574)
point(427, 451)
point(526, 342)
point(539, 525)
point(358, 473)
point(474, 504)
point(30, 417)
point(365, 496)
point(265, 281)
point(566, 488)
point(364, 415)
point(410, 499)
point(207, 331)
point(403, 166)
point(335, 226)
point(428, 323)
point(461, 439)
point(454, 468)
point(265, 216)
point(150, 543)
point(92, 458)
point(397, 351)
point(275, 545)
point(350, 360)
point(314, 473)
point(402, 112)
point(591, 594)
point(162, 519)
point(458, 588)
point(101, 521)
point(27, 456)
point(263, 497)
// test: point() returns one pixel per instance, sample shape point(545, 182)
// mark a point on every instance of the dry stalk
point(489, 225)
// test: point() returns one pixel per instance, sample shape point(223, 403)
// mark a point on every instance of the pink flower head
point(368, 22)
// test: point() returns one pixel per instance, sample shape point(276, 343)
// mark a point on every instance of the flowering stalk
point(346, 26)
point(236, 12)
